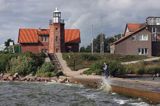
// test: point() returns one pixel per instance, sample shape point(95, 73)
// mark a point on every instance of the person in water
point(105, 70)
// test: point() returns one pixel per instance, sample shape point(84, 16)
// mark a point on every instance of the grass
point(78, 61)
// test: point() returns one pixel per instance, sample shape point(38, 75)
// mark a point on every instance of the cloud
point(106, 16)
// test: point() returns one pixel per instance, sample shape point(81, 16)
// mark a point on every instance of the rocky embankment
point(30, 78)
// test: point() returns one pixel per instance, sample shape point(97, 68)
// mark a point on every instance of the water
point(52, 94)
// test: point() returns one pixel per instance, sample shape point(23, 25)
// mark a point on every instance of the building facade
point(139, 39)
point(52, 40)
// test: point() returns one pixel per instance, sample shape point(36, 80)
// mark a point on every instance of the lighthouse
point(56, 38)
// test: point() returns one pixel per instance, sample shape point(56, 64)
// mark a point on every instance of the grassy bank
point(83, 60)
point(25, 64)
point(95, 62)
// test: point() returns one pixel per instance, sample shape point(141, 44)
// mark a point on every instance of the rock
point(16, 76)
point(62, 79)
point(5, 77)
point(10, 78)
point(30, 77)
point(53, 79)
point(23, 79)
point(1, 76)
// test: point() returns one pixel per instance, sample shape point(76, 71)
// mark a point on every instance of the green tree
point(96, 42)
point(46, 70)
point(108, 41)
point(8, 41)
point(82, 49)
point(22, 64)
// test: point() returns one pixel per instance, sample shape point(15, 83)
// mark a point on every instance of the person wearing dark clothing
point(105, 70)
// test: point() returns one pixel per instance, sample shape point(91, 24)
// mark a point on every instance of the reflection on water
point(42, 94)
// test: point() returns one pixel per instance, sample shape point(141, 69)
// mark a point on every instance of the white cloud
point(107, 16)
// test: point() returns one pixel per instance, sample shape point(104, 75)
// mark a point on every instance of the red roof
point(132, 27)
point(31, 35)
point(72, 35)
point(128, 35)
point(43, 31)
point(28, 36)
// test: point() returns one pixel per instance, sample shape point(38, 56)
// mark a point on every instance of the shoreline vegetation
point(32, 67)
point(95, 61)
point(28, 67)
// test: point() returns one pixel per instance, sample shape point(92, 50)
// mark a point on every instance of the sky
point(106, 16)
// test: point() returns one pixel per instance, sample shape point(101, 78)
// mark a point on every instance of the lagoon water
point(52, 94)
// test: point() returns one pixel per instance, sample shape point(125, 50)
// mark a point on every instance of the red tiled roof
point(72, 35)
point(28, 36)
point(43, 31)
point(31, 35)
point(132, 27)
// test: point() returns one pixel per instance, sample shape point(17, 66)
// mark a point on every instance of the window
point(44, 38)
point(143, 37)
point(56, 38)
point(142, 51)
point(56, 28)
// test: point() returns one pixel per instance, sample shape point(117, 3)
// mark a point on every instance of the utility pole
point(101, 43)
point(92, 40)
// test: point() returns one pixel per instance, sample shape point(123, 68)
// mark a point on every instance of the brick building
point(139, 39)
point(51, 40)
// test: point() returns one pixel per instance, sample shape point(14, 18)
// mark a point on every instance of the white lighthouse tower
point(57, 16)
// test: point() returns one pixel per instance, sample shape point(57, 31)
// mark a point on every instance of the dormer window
point(44, 38)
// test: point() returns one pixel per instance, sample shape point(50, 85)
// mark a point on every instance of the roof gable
point(72, 35)
point(125, 37)
point(132, 27)
point(28, 36)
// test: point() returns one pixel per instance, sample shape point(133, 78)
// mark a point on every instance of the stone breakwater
point(29, 78)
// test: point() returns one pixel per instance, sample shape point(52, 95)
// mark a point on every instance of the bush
point(89, 57)
point(4, 61)
point(95, 68)
point(22, 65)
point(46, 70)
point(152, 69)
point(116, 68)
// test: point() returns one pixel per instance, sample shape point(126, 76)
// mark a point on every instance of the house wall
point(34, 47)
point(156, 48)
point(72, 47)
point(130, 46)
point(30, 48)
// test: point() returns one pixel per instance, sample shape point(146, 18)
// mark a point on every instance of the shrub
point(116, 68)
point(152, 69)
point(141, 71)
point(89, 57)
point(95, 68)
point(46, 70)
point(4, 61)
point(22, 64)
point(137, 68)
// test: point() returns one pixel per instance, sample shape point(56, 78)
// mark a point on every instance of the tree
point(96, 42)
point(85, 49)
point(8, 41)
point(108, 41)
point(82, 49)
